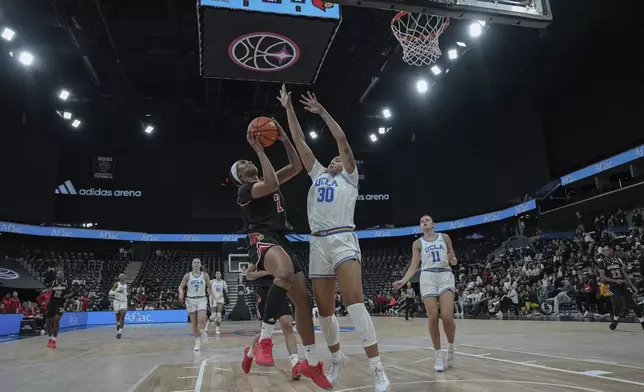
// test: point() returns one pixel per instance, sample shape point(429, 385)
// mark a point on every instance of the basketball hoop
point(418, 35)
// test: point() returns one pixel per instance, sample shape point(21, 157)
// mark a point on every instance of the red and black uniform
point(614, 269)
point(262, 285)
point(58, 297)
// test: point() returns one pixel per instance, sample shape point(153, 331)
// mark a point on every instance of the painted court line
point(476, 381)
point(554, 369)
point(596, 373)
point(145, 376)
point(554, 356)
point(191, 367)
point(185, 377)
point(225, 370)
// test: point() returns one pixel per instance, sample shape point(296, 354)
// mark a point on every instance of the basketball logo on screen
point(264, 52)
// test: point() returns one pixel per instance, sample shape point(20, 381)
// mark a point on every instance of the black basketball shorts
point(260, 243)
point(53, 311)
point(261, 293)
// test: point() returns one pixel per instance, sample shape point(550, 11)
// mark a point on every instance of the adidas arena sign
point(67, 188)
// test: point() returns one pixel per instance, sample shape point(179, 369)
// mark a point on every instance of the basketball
point(267, 129)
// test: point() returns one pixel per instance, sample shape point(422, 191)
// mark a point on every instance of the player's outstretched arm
point(294, 165)
point(413, 266)
point(312, 105)
point(306, 155)
point(269, 183)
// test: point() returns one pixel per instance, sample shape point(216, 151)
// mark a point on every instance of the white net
point(418, 35)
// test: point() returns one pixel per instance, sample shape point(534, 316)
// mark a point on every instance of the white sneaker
point(204, 336)
point(586, 313)
point(335, 370)
point(380, 381)
point(217, 331)
point(450, 357)
point(439, 366)
point(499, 314)
point(197, 344)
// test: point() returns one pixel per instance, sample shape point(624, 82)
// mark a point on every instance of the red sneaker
point(53, 344)
point(296, 374)
point(49, 343)
point(247, 361)
point(316, 374)
point(264, 352)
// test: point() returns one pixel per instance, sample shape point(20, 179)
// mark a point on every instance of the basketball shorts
point(216, 301)
point(119, 305)
point(196, 304)
point(260, 243)
point(434, 284)
point(329, 251)
point(261, 293)
point(54, 310)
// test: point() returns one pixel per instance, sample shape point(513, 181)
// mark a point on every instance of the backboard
point(525, 13)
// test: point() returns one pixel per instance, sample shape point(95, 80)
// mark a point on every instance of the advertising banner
point(13, 276)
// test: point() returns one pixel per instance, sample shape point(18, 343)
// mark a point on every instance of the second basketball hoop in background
point(418, 35)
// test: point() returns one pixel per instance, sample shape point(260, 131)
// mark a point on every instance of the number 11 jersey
point(332, 198)
point(433, 254)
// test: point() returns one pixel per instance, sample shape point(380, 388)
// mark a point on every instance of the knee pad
point(363, 323)
point(330, 329)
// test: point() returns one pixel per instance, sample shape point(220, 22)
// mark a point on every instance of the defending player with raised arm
point(263, 204)
point(435, 255)
point(263, 281)
point(198, 284)
point(334, 249)
point(118, 294)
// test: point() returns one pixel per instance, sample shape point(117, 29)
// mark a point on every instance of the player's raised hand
point(397, 284)
point(281, 136)
point(253, 140)
point(285, 98)
point(311, 104)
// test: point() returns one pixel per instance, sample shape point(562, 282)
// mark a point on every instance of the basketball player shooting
point(219, 287)
point(263, 283)
point(263, 204)
point(196, 302)
point(434, 253)
point(334, 249)
point(119, 294)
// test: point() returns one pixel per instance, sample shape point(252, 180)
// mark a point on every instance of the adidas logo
point(67, 188)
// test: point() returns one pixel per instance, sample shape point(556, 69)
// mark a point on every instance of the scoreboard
point(310, 8)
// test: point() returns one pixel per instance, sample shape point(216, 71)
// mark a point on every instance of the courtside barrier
point(64, 232)
point(10, 324)
point(81, 319)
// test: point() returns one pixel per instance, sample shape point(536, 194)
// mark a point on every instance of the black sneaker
point(118, 335)
point(613, 325)
point(642, 324)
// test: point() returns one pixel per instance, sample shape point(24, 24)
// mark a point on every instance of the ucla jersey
point(433, 254)
point(120, 294)
point(332, 199)
point(218, 287)
point(196, 286)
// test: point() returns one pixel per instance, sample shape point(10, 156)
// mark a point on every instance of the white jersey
point(433, 254)
point(120, 294)
point(196, 285)
point(218, 288)
point(332, 199)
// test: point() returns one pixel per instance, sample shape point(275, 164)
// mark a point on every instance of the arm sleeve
point(316, 170)
point(245, 194)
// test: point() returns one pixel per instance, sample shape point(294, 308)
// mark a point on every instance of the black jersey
point(612, 268)
point(59, 290)
point(266, 214)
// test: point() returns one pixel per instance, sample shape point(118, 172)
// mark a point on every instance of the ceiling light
point(481, 22)
point(386, 113)
point(461, 44)
point(436, 70)
point(373, 137)
point(452, 54)
point(422, 86)
point(26, 58)
point(8, 34)
point(475, 29)
point(67, 115)
point(64, 94)
point(76, 123)
point(149, 129)
point(382, 130)
point(313, 134)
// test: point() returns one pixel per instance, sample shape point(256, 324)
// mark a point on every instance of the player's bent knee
point(330, 329)
point(363, 324)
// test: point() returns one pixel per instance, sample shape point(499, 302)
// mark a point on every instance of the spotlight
point(149, 129)
point(313, 134)
point(373, 138)
point(382, 130)
point(422, 86)
point(26, 58)
point(67, 115)
point(452, 54)
point(64, 94)
point(476, 29)
point(386, 113)
point(436, 70)
point(461, 44)
point(481, 22)
point(76, 123)
point(8, 34)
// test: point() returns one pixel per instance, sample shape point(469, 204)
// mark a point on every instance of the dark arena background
point(522, 139)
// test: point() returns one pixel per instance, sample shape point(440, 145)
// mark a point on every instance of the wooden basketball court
point(492, 355)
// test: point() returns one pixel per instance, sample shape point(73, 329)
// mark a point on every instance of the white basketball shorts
point(196, 304)
point(434, 284)
point(119, 305)
point(329, 251)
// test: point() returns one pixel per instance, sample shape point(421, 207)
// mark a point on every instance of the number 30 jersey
point(332, 199)
point(433, 254)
